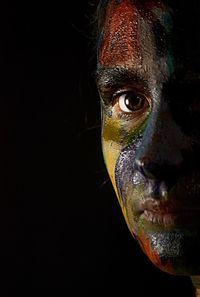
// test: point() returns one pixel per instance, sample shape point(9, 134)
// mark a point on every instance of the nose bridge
point(161, 145)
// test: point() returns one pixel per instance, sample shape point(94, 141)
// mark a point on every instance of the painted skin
point(148, 80)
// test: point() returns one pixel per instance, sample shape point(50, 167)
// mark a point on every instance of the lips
point(169, 213)
point(166, 219)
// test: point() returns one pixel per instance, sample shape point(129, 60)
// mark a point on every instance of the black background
point(62, 231)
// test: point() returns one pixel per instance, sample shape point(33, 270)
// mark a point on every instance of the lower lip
point(171, 219)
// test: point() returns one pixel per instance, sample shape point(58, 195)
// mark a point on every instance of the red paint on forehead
point(119, 41)
point(121, 38)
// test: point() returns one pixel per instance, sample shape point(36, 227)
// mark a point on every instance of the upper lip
point(164, 207)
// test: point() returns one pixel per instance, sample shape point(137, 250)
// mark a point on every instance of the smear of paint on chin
point(145, 243)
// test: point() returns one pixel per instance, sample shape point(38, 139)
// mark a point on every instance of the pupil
point(132, 102)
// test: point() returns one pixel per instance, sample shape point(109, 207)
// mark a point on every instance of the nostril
point(157, 189)
point(147, 168)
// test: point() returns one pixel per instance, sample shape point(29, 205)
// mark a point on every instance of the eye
point(130, 102)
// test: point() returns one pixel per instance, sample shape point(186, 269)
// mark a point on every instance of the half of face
point(150, 132)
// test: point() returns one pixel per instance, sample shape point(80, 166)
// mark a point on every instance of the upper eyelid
point(110, 95)
point(122, 87)
point(125, 91)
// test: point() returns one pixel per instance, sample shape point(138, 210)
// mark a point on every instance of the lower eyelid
point(132, 116)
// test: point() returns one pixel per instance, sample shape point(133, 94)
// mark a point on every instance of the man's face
point(148, 76)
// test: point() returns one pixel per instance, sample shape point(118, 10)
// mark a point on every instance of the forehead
point(126, 23)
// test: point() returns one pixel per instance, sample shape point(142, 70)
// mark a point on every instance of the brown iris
point(129, 102)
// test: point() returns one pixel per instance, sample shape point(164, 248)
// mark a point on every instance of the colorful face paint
point(150, 129)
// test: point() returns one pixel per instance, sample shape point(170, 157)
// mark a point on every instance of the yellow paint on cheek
point(111, 153)
point(111, 150)
point(111, 130)
point(111, 146)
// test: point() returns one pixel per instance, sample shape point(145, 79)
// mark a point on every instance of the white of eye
point(123, 101)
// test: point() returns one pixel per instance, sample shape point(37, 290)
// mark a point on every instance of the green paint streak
point(133, 135)
point(170, 62)
point(113, 130)
point(167, 21)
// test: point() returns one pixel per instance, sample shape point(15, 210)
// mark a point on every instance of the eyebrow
point(111, 76)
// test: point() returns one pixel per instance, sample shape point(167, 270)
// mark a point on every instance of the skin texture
point(148, 78)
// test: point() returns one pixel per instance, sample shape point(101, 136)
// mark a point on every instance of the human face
point(148, 76)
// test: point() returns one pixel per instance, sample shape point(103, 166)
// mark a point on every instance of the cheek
point(110, 144)
point(111, 151)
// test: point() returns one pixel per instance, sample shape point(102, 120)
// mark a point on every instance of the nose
point(155, 169)
point(160, 155)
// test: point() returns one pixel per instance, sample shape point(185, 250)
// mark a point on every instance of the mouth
point(166, 219)
point(169, 214)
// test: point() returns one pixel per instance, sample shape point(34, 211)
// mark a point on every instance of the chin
point(175, 251)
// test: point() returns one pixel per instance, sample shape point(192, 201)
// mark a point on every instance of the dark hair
point(100, 14)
